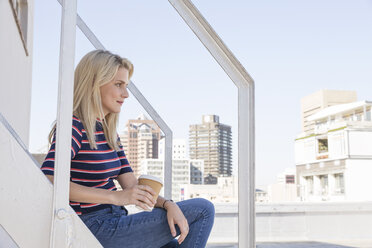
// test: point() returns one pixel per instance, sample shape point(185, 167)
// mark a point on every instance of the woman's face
point(114, 92)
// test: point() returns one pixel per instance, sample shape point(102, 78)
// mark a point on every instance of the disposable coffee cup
point(154, 182)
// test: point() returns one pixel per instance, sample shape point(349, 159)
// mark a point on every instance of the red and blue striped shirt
point(90, 167)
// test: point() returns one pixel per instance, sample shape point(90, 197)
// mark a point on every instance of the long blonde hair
point(94, 70)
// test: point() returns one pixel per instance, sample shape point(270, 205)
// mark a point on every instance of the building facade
point(226, 190)
point(334, 163)
point(211, 141)
point(140, 141)
point(180, 173)
point(322, 99)
point(196, 171)
point(285, 189)
point(179, 150)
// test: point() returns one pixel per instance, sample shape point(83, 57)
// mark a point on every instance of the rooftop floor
point(309, 244)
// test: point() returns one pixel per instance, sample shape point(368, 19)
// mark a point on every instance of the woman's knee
point(205, 205)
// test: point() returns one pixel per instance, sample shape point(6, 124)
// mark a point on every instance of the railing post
point(245, 85)
point(62, 228)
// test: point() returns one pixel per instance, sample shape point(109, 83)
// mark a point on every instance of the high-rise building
point(140, 140)
point(211, 141)
point(319, 100)
point(180, 153)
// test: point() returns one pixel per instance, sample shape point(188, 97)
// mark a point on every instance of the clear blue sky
point(290, 48)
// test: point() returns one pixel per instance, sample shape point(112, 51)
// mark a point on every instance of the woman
point(97, 157)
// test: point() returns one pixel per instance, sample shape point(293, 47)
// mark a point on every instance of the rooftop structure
point(284, 189)
point(322, 99)
point(226, 190)
point(334, 161)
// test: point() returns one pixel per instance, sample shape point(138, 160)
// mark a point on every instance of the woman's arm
point(128, 180)
point(136, 195)
point(79, 193)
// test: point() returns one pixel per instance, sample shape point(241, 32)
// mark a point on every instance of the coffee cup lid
point(150, 177)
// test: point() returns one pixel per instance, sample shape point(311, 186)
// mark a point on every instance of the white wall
point(305, 150)
point(281, 192)
point(336, 144)
point(358, 181)
point(299, 151)
point(15, 70)
point(360, 143)
point(298, 222)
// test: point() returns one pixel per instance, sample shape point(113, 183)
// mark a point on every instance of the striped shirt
point(90, 167)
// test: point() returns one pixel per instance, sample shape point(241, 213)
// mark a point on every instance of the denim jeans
point(114, 228)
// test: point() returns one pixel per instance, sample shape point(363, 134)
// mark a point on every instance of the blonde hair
point(94, 70)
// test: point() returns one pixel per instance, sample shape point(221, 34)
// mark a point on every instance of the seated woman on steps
point(97, 157)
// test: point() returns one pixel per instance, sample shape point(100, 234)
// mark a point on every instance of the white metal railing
point(62, 227)
point(246, 119)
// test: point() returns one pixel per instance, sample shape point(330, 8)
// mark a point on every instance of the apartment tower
point(211, 141)
point(140, 140)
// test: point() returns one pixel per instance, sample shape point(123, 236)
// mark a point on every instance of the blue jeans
point(114, 228)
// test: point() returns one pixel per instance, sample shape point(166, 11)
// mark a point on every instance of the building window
point(20, 13)
point(322, 145)
point(324, 184)
point(289, 179)
point(322, 149)
point(368, 117)
point(339, 183)
point(309, 184)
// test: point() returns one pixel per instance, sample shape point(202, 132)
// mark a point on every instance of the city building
point(334, 161)
point(180, 153)
point(140, 141)
point(226, 190)
point(287, 176)
point(260, 196)
point(180, 173)
point(196, 171)
point(285, 189)
point(179, 149)
point(322, 99)
point(211, 141)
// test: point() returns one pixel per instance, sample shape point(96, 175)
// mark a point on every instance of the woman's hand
point(139, 195)
point(175, 216)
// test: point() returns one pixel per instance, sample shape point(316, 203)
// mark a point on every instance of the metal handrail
point(62, 226)
point(246, 113)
